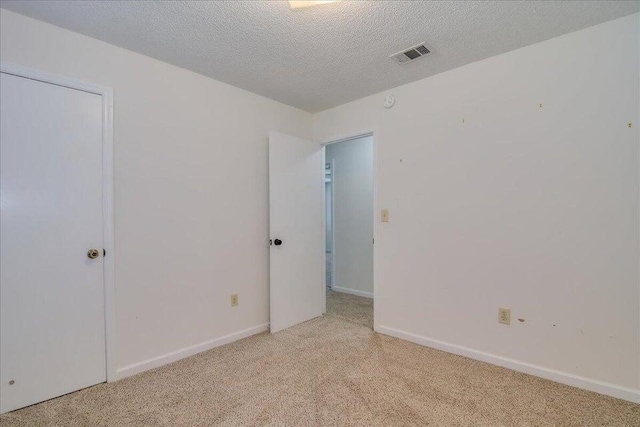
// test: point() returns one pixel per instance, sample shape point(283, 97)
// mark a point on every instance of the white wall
point(497, 202)
point(353, 215)
point(191, 213)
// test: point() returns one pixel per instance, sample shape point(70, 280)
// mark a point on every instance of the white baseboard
point(155, 362)
point(601, 387)
point(352, 292)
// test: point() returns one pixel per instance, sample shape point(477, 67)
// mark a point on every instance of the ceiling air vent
point(410, 54)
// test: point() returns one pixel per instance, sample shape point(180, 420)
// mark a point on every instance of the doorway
point(349, 228)
point(297, 229)
point(56, 236)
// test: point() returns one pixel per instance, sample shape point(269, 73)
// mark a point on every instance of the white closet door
point(52, 316)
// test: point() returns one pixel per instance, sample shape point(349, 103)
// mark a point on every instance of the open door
point(296, 230)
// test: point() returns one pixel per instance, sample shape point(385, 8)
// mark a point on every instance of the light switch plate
point(384, 215)
point(504, 316)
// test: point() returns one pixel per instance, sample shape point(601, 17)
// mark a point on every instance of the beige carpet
point(331, 371)
point(350, 307)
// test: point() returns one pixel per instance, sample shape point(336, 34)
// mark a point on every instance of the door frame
point(324, 228)
point(333, 230)
point(336, 140)
point(107, 190)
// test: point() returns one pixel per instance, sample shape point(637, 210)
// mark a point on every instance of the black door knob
point(277, 242)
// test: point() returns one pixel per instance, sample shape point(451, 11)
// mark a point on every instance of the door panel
point(296, 180)
point(52, 322)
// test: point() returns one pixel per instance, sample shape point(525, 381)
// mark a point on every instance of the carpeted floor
point(350, 307)
point(330, 371)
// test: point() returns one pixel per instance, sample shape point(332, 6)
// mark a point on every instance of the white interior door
point(52, 316)
point(296, 181)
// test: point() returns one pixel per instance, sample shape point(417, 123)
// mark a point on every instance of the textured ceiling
point(319, 57)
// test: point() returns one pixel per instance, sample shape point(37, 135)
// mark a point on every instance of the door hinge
point(373, 241)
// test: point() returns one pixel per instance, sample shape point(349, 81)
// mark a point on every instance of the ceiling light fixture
point(307, 3)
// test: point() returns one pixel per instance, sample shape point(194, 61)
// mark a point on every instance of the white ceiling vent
point(410, 54)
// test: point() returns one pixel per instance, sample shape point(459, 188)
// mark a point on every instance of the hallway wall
point(353, 215)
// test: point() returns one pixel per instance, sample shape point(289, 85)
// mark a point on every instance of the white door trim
point(349, 137)
point(324, 230)
point(333, 230)
point(107, 189)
